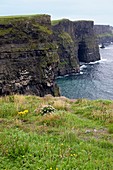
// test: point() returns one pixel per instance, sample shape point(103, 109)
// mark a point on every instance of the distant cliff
point(76, 43)
point(32, 52)
point(104, 33)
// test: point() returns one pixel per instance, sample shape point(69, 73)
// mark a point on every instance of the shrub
point(47, 109)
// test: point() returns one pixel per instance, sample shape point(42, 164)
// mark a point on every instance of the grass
point(41, 28)
point(105, 35)
point(19, 17)
point(55, 22)
point(66, 37)
point(78, 135)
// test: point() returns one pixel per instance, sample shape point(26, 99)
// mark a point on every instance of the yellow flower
point(20, 113)
point(56, 168)
point(50, 168)
point(25, 111)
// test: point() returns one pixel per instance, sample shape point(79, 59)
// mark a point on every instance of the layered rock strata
point(28, 56)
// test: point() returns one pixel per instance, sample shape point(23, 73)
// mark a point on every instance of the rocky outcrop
point(32, 52)
point(76, 43)
point(104, 33)
point(28, 56)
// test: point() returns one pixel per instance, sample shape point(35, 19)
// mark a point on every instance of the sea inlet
point(95, 80)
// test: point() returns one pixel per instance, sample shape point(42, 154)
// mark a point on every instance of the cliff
point(28, 56)
point(32, 52)
point(104, 33)
point(76, 43)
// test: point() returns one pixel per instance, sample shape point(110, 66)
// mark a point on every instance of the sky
point(100, 11)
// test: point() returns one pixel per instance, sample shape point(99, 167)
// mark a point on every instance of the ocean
point(95, 80)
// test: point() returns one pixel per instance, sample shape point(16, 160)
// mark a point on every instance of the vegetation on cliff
point(73, 134)
point(55, 22)
point(105, 35)
point(24, 29)
point(66, 38)
point(6, 19)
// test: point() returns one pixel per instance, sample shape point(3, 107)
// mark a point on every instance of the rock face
point(76, 43)
point(104, 33)
point(28, 56)
point(32, 52)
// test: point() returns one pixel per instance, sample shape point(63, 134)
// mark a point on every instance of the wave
point(66, 75)
point(82, 67)
point(109, 47)
point(59, 77)
point(99, 61)
point(81, 72)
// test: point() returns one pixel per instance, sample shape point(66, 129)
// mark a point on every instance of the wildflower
point(20, 113)
point(73, 154)
point(23, 112)
point(50, 168)
point(56, 168)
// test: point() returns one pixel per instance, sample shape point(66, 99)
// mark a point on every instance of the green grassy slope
point(78, 135)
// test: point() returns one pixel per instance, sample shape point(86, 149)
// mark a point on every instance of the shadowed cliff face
point(82, 52)
point(28, 56)
point(76, 43)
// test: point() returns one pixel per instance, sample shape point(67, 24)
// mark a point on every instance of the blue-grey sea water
point(95, 80)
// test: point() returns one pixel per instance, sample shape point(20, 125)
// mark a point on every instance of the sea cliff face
point(76, 43)
point(28, 56)
point(32, 52)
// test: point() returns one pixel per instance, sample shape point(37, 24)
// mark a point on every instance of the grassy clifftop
point(24, 29)
point(76, 134)
point(5, 19)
